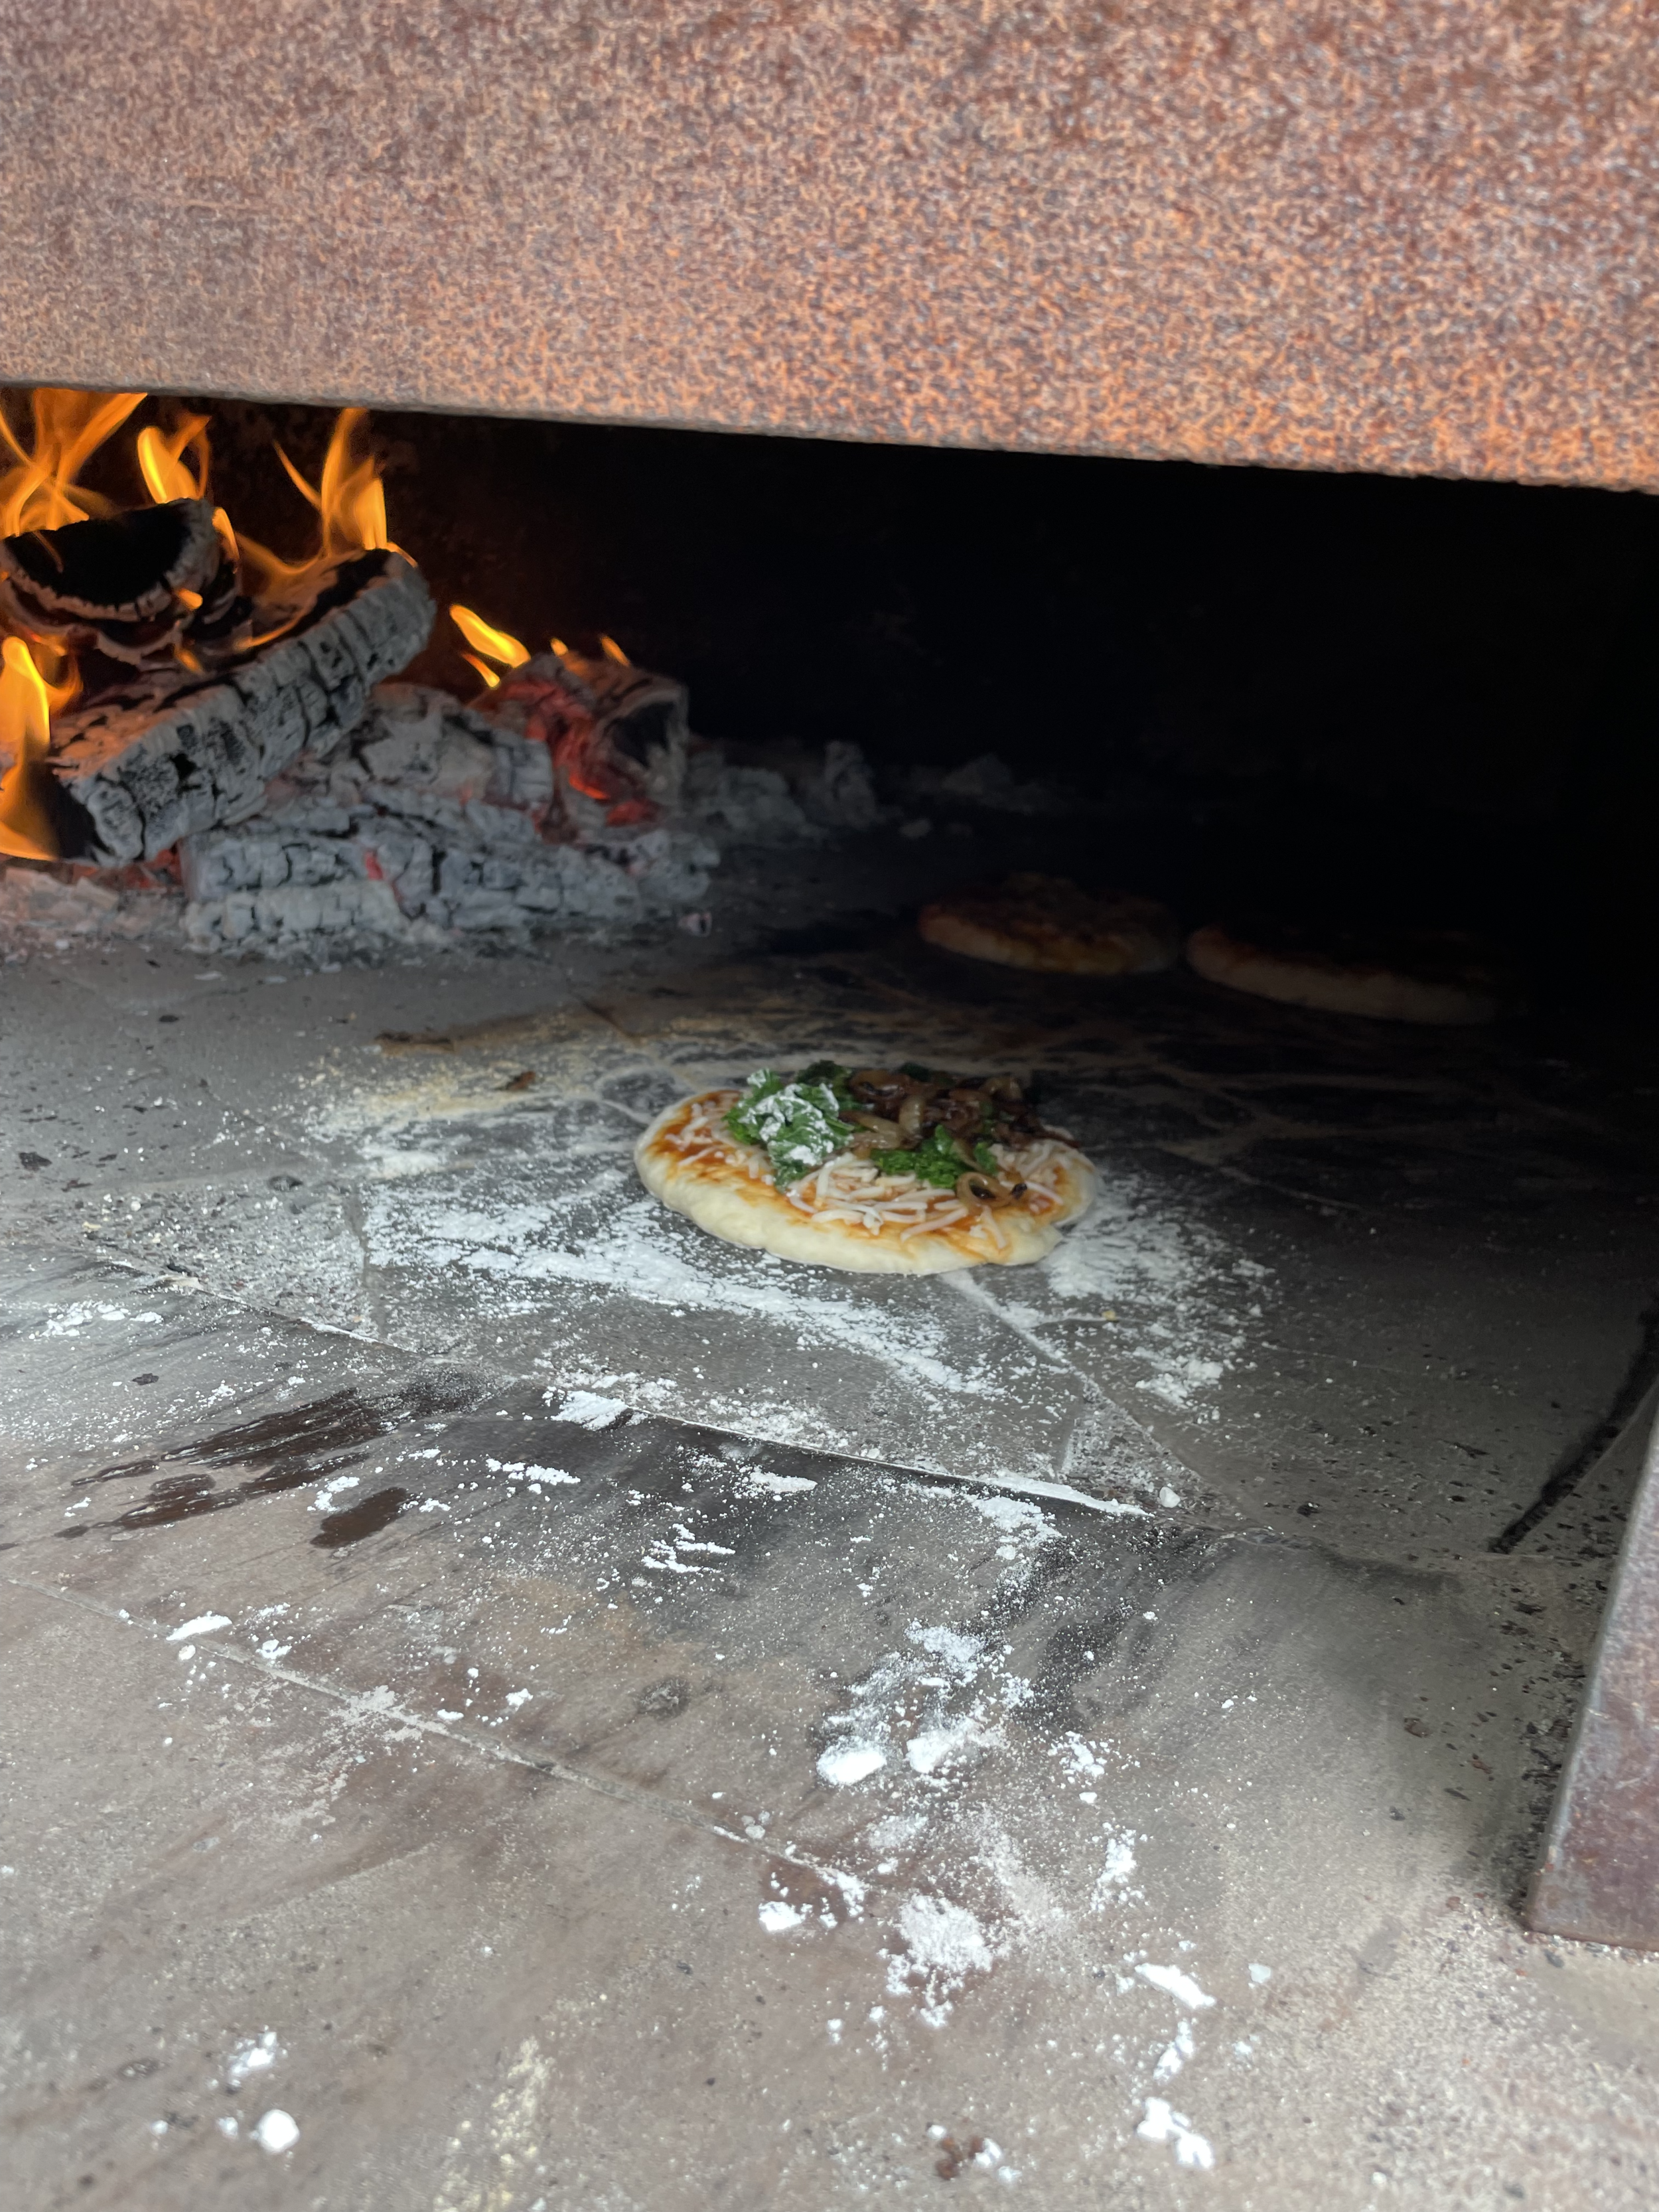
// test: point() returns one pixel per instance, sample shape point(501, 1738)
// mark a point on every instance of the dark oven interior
point(1408, 701)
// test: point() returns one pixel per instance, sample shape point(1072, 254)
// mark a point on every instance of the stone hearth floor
point(574, 1715)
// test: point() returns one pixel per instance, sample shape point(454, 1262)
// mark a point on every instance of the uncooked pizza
point(1048, 922)
point(1403, 976)
point(895, 1171)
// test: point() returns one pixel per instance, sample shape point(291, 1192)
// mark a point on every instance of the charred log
point(170, 754)
point(142, 587)
point(424, 819)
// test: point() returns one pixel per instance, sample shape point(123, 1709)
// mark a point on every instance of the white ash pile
point(566, 804)
point(53, 908)
point(426, 819)
point(987, 783)
point(786, 791)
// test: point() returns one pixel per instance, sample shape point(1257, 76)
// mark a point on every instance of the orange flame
point(26, 830)
point(498, 647)
point(58, 672)
point(40, 491)
point(161, 460)
point(351, 499)
point(614, 652)
point(350, 503)
point(167, 475)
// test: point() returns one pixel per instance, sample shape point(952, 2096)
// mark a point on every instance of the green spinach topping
point(797, 1123)
point(801, 1121)
point(935, 1160)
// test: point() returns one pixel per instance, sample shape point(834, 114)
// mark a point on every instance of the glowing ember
point(616, 732)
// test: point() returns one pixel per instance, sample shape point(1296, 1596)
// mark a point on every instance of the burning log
point(239, 657)
point(171, 753)
point(145, 587)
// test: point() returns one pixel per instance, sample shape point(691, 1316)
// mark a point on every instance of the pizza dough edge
point(977, 940)
point(755, 1216)
point(1381, 995)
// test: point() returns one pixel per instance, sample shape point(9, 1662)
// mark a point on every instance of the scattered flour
point(848, 1762)
point(939, 1745)
point(203, 1625)
point(1024, 1527)
point(1182, 1987)
point(944, 1943)
point(1174, 1287)
point(1161, 2125)
point(1112, 1883)
point(626, 1244)
point(586, 1409)
point(278, 2131)
point(257, 2055)
point(945, 1673)
point(520, 1470)
point(1176, 2054)
point(69, 1320)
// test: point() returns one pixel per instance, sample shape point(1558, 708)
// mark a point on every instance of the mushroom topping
point(884, 1131)
point(910, 1118)
point(978, 1189)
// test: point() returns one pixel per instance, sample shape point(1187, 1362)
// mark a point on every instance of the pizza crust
point(1046, 922)
point(1440, 981)
point(726, 1188)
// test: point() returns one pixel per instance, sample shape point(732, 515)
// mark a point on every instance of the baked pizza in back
point(1046, 922)
point(1438, 976)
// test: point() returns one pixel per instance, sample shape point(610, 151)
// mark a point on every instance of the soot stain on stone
point(177, 1497)
point(310, 1431)
point(367, 1518)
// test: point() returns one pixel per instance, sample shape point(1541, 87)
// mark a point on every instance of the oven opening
point(1326, 702)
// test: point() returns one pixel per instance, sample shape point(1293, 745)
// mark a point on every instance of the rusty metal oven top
point(1404, 237)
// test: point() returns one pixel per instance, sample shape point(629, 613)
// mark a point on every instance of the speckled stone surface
point(1405, 237)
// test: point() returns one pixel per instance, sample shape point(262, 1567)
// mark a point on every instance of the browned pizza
point(1046, 922)
point(1400, 976)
